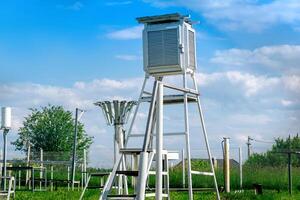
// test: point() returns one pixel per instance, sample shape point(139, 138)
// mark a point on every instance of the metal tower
point(169, 50)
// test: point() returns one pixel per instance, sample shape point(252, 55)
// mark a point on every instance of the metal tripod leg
point(187, 140)
point(142, 178)
point(206, 138)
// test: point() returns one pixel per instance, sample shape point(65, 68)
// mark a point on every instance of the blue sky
point(73, 53)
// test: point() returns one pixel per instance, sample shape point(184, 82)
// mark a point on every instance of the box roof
point(157, 19)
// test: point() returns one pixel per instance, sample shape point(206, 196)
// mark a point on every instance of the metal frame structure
point(153, 148)
point(155, 122)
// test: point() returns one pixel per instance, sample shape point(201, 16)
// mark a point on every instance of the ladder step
point(121, 196)
point(128, 172)
point(132, 151)
point(94, 187)
point(100, 174)
point(173, 99)
point(153, 195)
point(203, 173)
point(154, 172)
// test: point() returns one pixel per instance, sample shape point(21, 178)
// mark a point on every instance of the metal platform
point(173, 99)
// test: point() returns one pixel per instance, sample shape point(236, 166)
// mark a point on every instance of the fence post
point(27, 164)
point(51, 176)
point(226, 165)
point(84, 166)
point(68, 178)
point(41, 166)
point(183, 168)
point(241, 167)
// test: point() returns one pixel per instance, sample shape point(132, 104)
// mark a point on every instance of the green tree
point(51, 128)
point(274, 157)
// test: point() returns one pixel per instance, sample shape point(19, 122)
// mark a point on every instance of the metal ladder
point(155, 121)
point(87, 186)
point(106, 194)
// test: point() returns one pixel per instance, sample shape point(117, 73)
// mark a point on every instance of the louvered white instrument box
point(169, 44)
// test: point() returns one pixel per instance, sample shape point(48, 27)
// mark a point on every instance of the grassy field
point(273, 180)
point(94, 195)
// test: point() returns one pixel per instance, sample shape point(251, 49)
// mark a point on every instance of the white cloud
point(247, 119)
point(128, 57)
point(239, 14)
point(127, 34)
point(292, 83)
point(282, 57)
point(249, 83)
point(285, 102)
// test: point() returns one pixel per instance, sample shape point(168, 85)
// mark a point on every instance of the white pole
point(4, 157)
point(19, 177)
point(27, 163)
point(84, 166)
point(41, 166)
point(226, 165)
point(187, 140)
point(68, 178)
point(241, 168)
point(51, 186)
point(159, 143)
point(183, 168)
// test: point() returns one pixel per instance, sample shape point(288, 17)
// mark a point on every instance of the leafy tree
point(51, 128)
point(274, 157)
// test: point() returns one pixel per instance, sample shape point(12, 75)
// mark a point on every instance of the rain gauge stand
point(169, 50)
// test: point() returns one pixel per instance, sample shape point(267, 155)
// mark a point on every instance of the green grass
point(272, 179)
point(63, 194)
